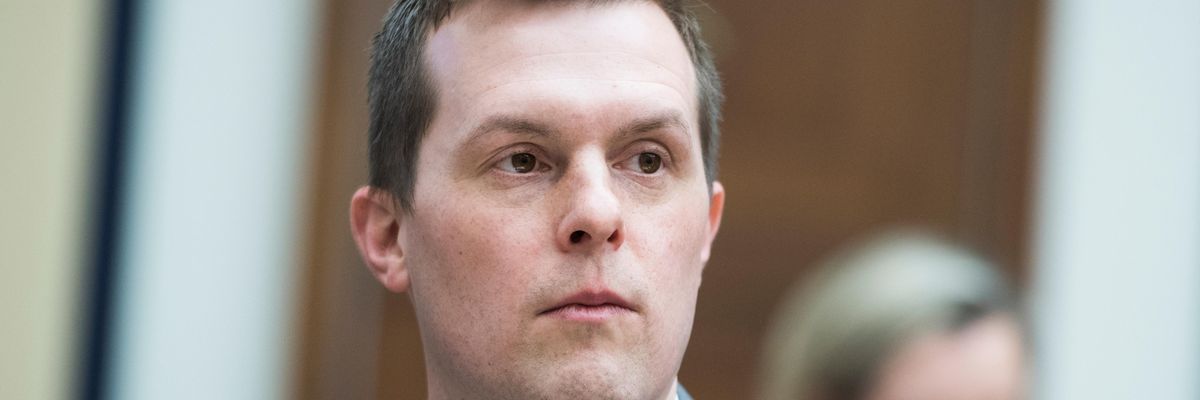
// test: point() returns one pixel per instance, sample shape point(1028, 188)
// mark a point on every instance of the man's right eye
point(522, 163)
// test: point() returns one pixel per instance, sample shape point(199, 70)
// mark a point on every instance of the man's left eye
point(647, 163)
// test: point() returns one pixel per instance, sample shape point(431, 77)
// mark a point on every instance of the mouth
point(590, 306)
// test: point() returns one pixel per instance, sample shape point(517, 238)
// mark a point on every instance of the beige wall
point(47, 101)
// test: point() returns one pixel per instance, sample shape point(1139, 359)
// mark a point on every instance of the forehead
point(490, 46)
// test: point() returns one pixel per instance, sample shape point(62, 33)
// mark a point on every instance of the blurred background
point(176, 176)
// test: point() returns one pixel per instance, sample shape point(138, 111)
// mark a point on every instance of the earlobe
point(716, 207)
point(375, 222)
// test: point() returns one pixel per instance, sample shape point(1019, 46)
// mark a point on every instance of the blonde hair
point(830, 335)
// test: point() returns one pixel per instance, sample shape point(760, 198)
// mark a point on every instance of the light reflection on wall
point(1117, 282)
point(205, 285)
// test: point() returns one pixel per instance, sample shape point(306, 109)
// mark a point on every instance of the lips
point(590, 306)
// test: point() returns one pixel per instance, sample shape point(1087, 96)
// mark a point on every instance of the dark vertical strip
point(984, 149)
point(998, 182)
point(108, 197)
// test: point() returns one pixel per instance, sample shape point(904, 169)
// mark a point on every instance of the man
point(542, 188)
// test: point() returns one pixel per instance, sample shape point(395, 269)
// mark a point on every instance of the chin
point(591, 384)
point(593, 377)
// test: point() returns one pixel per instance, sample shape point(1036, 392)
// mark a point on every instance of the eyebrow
point(509, 123)
point(532, 127)
point(662, 120)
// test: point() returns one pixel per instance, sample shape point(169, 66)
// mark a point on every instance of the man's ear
point(716, 206)
point(375, 221)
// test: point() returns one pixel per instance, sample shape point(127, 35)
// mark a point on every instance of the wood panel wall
point(842, 117)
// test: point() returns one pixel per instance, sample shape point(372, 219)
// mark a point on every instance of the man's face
point(561, 217)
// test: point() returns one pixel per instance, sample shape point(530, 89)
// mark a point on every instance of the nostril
point(616, 237)
point(578, 236)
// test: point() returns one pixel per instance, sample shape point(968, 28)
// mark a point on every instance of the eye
point(522, 163)
point(649, 163)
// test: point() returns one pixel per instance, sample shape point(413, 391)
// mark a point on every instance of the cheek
point(669, 240)
point(471, 261)
point(674, 231)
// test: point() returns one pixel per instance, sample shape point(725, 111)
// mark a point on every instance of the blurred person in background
point(904, 316)
point(543, 189)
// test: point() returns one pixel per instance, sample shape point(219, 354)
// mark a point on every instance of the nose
point(592, 220)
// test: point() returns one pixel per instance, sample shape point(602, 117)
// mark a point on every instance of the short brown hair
point(402, 97)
